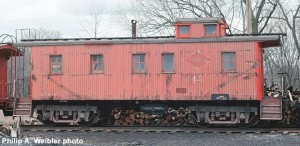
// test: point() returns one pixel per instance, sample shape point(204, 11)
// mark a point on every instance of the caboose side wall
point(193, 79)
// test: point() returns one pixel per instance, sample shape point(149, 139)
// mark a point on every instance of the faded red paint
point(6, 51)
point(3, 76)
point(259, 71)
point(198, 72)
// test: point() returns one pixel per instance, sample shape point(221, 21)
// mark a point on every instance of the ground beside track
point(176, 137)
point(4, 120)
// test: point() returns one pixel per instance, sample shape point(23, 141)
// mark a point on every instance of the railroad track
point(293, 131)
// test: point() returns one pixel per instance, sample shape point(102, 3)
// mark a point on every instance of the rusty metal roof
point(62, 42)
point(9, 50)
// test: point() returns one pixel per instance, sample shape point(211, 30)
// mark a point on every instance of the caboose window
point(210, 29)
point(167, 62)
point(97, 63)
point(184, 29)
point(228, 61)
point(139, 63)
point(56, 65)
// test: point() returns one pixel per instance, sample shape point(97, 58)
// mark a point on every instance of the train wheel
point(193, 121)
point(254, 121)
point(243, 125)
point(46, 123)
point(93, 121)
point(203, 125)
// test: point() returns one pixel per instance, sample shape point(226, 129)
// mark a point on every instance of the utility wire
point(47, 18)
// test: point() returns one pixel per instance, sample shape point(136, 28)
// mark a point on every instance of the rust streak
point(63, 87)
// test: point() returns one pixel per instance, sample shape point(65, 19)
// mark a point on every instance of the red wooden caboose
point(218, 77)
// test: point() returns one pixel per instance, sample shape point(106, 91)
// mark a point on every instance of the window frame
point(210, 34)
point(61, 64)
point(228, 62)
point(162, 63)
point(133, 64)
point(179, 35)
point(92, 64)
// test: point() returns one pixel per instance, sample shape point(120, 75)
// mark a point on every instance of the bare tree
point(90, 24)
point(43, 33)
point(285, 59)
point(157, 17)
point(264, 9)
point(292, 22)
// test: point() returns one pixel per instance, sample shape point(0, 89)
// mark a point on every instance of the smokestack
point(133, 24)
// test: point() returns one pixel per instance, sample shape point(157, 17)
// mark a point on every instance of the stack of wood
point(294, 93)
point(176, 117)
point(273, 91)
point(287, 116)
point(124, 118)
point(291, 112)
point(132, 117)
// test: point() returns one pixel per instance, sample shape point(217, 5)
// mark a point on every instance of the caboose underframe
point(199, 112)
point(228, 115)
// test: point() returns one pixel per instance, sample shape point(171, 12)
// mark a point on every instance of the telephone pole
point(249, 16)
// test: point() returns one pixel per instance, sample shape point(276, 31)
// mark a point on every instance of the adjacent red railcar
point(201, 68)
point(6, 52)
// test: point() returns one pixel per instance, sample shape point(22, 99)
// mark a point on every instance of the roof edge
point(153, 41)
point(199, 20)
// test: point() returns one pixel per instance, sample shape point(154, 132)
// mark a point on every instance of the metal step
point(270, 112)
point(22, 107)
point(20, 112)
point(271, 108)
point(23, 100)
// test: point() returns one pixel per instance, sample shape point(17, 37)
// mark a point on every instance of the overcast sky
point(59, 15)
